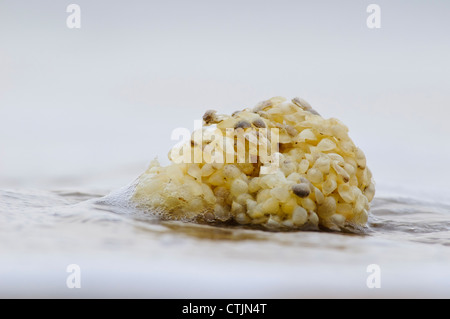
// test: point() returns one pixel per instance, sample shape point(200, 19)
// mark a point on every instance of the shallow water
point(123, 252)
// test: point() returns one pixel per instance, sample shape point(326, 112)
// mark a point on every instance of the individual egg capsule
point(315, 153)
point(243, 124)
point(292, 131)
point(299, 216)
point(210, 117)
point(318, 196)
point(263, 195)
point(329, 185)
point(194, 187)
point(207, 169)
point(336, 157)
point(287, 107)
point(296, 154)
point(360, 218)
point(250, 203)
point(175, 172)
point(242, 219)
point(323, 164)
point(363, 177)
point(342, 173)
point(361, 202)
point(287, 223)
point(346, 193)
point(302, 190)
point(326, 145)
point(275, 115)
point(209, 216)
point(208, 194)
point(259, 123)
point(237, 208)
point(288, 167)
point(273, 223)
point(303, 166)
point(238, 187)
point(360, 158)
point(307, 135)
point(280, 193)
point(337, 220)
point(301, 103)
point(284, 137)
point(221, 194)
point(272, 180)
point(327, 208)
point(369, 192)
point(230, 171)
point(314, 175)
point(227, 122)
point(294, 177)
point(277, 100)
point(255, 210)
point(350, 169)
point(246, 168)
point(288, 206)
point(217, 179)
point(313, 219)
point(347, 147)
point(353, 181)
point(344, 209)
point(349, 160)
point(195, 171)
point(254, 184)
point(340, 131)
point(260, 220)
point(244, 198)
point(321, 127)
point(308, 204)
point(309, 157)
point(262, 105)
point(271, 206)
point(153, 170)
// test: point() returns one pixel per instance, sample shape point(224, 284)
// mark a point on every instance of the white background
point(91, 107)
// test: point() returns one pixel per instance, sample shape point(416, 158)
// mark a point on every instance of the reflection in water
point(57, 224)
point(411, 220)
point(393, 218)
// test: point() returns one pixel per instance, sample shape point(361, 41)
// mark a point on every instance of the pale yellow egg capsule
point(281, 165)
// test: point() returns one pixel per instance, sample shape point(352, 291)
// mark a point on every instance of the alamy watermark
point(374, 19)
point(74, 278)
point(73, 21)
point(374, 279)
point(235, 145)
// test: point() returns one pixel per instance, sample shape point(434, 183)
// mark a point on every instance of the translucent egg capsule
point(299, 216)
point(271, 206)
point(369, 192)
point(307, 135)
point(326, 145)
point(323, 164)
point(238, 187)
point(294, 169)
point(360, 158)
point(346, 193)
point(314, 175)
point(329, 185)
point(303, 166)
point(327, 208)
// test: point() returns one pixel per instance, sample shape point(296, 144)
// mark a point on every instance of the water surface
point(123, 252)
